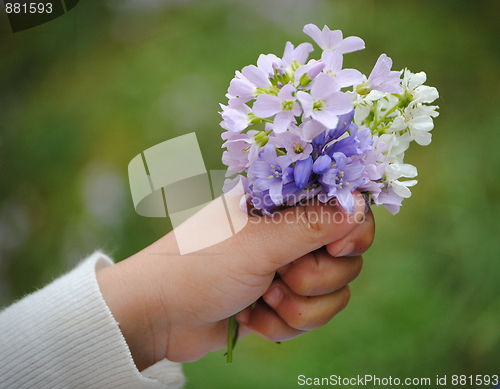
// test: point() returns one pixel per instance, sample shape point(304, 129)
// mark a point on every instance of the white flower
point(394, 146)
point(395, 171)
point(418, 127)
point(413, 85)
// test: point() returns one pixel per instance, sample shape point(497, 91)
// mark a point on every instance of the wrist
point(135, 306)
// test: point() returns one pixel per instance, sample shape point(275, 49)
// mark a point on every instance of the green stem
point(232, 337)
point(382, 119)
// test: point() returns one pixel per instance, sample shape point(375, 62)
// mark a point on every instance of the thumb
point(265, 244)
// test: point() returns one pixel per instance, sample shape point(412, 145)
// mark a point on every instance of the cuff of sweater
point(81, 344)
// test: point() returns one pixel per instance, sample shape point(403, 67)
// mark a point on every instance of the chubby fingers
point(319, 273)
point(357, 241)
point(310, 292)
point(283, 315)
point(331, 267)
point(312, 289)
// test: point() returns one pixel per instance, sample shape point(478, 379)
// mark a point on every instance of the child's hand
point(177, 306)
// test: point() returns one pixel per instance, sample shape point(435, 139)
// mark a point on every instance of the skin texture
point(296, 267)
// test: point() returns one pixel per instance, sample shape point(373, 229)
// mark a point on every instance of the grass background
point(82, 95)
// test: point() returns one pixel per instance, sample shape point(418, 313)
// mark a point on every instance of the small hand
point(177, 306)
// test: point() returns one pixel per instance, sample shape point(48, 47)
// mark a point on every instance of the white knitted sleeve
point(64, 336)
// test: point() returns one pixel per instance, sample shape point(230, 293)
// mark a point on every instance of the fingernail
point(273, 296)
point(348, 249)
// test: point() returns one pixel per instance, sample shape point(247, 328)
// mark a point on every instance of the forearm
point(64, 336)
point(129, 293)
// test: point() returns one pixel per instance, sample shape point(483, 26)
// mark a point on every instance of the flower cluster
point(299, 128)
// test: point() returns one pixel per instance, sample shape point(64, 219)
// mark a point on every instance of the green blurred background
point(85, 93)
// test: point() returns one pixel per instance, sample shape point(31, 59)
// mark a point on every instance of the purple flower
point(308, 130)
point(284, 106)
point(354, 144)
point(257, 76)
point(241, 152)
point(325, 102)
point(333, 66)
point(382, 78)
point(374, 163)
point(341, 179)
point(322, 163)
point(390, 200)
point(235, 119)
point(336, 140)
point(296, 148)
point(292, 133)
point(299, 54)
point(270, 172)
point(333, 40)
point(240, 90)
point(267, 63)
point(302, 172)
point(306, 73)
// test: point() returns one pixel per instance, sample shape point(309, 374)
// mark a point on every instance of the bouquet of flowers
point(298, 129)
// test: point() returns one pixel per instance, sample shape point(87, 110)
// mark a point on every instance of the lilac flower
point(267, 63)
point(305, 74)
point(374, 162)
point(341, 179)
point(333, 66)
point(270, 172)
point(336, 140)
point(257, 76)
point(345, 121)
point(355, 144)
point(261, 199)
point(241, 152)
point(296, 148)
point(240, 90)
point(299, 54)
point(333, 40)
point(382, 78)
point(390, 200)
point(325, 102)
point(302, 172)
point(235, 119)
point(308, 129)
point(284, 106)
point(308, 138)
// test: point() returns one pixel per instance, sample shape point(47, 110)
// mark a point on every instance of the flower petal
point(349, 77)
point(350, 44)
point(322, 163)
point(266, 105)
point(282, 120)
point(302, 172)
